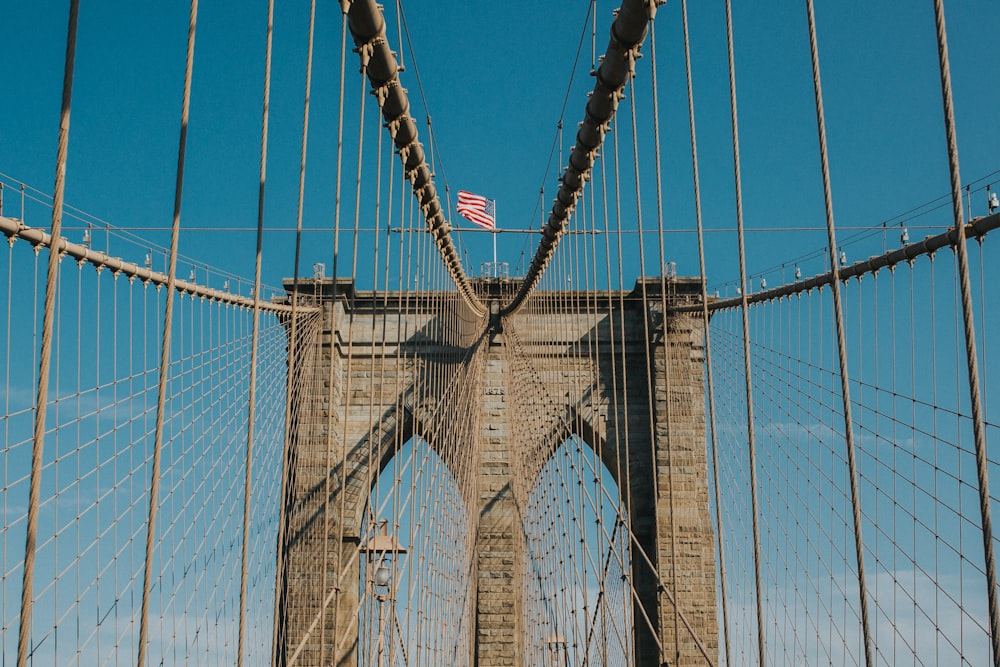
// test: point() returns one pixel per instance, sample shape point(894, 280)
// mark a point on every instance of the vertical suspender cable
point(751, 441)
point(968, 320)
point(654, 628)
point(333, 348)
point(845, 389)
point(292, 345)
point(45, 361)
point(710, 388)
point(666, 341)
point(161, 394)
point(618, 475)
point(255, 335)
point(341, 567)
point(327, 481)
point(625, 472)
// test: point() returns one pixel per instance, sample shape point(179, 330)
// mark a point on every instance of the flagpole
point(494, 230)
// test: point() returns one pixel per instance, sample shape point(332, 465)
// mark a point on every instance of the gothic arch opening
point(415, 574)
point(576, 563)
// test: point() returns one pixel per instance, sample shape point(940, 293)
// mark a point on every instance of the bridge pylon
point(621, 378)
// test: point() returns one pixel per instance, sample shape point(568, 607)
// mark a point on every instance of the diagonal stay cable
point(627, 34)
point(367, 28)
point(38, 439)
point(165, 350)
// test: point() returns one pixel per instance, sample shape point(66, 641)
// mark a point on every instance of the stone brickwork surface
point(685, 541)
point(498, 587)
point(354, 412)
point(669, 510)
point(362, 372)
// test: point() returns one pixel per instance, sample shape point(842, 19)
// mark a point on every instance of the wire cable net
point(96, 470)
point(596, 463)
point(921, 524)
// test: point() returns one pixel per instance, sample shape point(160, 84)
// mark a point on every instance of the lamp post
point(382, 550)
point(558, 656)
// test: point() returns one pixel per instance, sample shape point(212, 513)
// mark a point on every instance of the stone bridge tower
point(515, 361)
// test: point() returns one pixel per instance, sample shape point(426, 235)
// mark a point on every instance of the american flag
point(476, 209)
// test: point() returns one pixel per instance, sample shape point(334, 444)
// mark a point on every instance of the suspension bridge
point(761, 439)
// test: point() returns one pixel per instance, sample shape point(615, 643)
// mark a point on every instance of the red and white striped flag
point(478, 210)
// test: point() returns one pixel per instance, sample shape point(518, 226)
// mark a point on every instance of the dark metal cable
point(968, 321)
point(161, 395)
point(255, 337)
point(557, 139)
point(871, 266)
point(367, 28)
point(435, 149)
point(709, 380)
point(655, 625)
point(751, 439)
point(336, 590)
point(13, 228)
point(838, 312)
point(293, 336)
point(666, 343)
point(627, 34)
point(45, 358)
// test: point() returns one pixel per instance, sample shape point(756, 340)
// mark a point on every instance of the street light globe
point(382, 576)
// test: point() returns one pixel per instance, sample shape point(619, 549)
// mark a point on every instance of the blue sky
point(495, 77)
